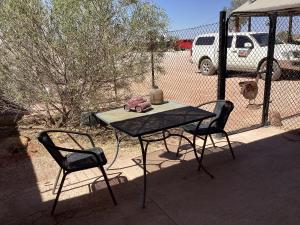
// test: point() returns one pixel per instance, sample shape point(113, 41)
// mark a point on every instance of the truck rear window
point(205, 41)
point(263, 39)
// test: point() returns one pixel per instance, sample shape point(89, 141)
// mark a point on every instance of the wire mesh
point(180, 77)
point(246, 57)
point(285, 101)
point(187, 71)
point(244, 86)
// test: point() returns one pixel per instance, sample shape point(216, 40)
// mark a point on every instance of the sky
point(191, 13)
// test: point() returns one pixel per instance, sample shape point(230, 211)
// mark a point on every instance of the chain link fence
point(246, 57)
point(246, 52)
point(180, 77)
point(187, 72)
point(285, 101)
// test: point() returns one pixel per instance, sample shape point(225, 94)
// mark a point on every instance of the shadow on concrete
point(260, 187)
point(19, 193)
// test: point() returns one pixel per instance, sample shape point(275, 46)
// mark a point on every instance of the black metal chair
point(75, 160)
point(214, 125)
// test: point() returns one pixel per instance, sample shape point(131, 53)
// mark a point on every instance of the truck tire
point(207, 67)
point(277, 72)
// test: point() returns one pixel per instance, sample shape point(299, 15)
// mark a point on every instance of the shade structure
point(282, 7)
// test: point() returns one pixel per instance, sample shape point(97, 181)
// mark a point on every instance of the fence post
point(290, 30)
point(270, 57)
point(249, 24)
point(152, 69)
point(222, 55)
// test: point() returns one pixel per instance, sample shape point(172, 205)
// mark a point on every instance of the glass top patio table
point(159, 118)
point(160, 121)
point(120, 114)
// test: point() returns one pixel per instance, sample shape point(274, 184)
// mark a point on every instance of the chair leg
point(108, 185)
point(58, 192)
point(201, 157)
point(56, 181)
point(231, 150)
point(202, 152)
point(179, 144)
point(212, 141)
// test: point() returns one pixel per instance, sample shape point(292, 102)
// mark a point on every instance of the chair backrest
point(222, 109)
point(46, 140)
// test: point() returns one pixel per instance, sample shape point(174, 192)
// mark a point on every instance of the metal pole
point(222, 55)
point(152, 69)
point(249, 24)
point(289, 38)
point(270, 57)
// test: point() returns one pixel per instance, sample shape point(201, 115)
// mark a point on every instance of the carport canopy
point(282, 7)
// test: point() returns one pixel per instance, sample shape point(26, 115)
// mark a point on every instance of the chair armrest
point(212, 122)
point(80, 151)
point(209, 126)
point(74, 132)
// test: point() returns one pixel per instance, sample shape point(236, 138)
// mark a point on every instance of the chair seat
point(77, 161)
point(202, 129)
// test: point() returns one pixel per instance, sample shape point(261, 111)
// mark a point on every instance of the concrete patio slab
point(260, 187)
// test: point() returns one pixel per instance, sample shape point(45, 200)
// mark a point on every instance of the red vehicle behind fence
point(184, 44)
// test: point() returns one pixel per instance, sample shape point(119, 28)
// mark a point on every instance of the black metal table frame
point(166, 135)
point(146, 137)
point(118, 142)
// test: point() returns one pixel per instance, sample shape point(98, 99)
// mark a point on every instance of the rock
point(275, 118)
point(24, 141)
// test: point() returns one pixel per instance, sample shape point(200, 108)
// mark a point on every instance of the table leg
point(165, 141)
point(118, 141)
point(179, 144)
point(144, 153)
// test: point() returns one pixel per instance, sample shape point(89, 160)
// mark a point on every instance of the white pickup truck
point(246, 51)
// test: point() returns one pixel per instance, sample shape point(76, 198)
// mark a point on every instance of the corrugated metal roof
point(261, 6)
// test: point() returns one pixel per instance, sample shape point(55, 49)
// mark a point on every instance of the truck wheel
point(139, 109)
point(277, 72)
point(207, 67)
